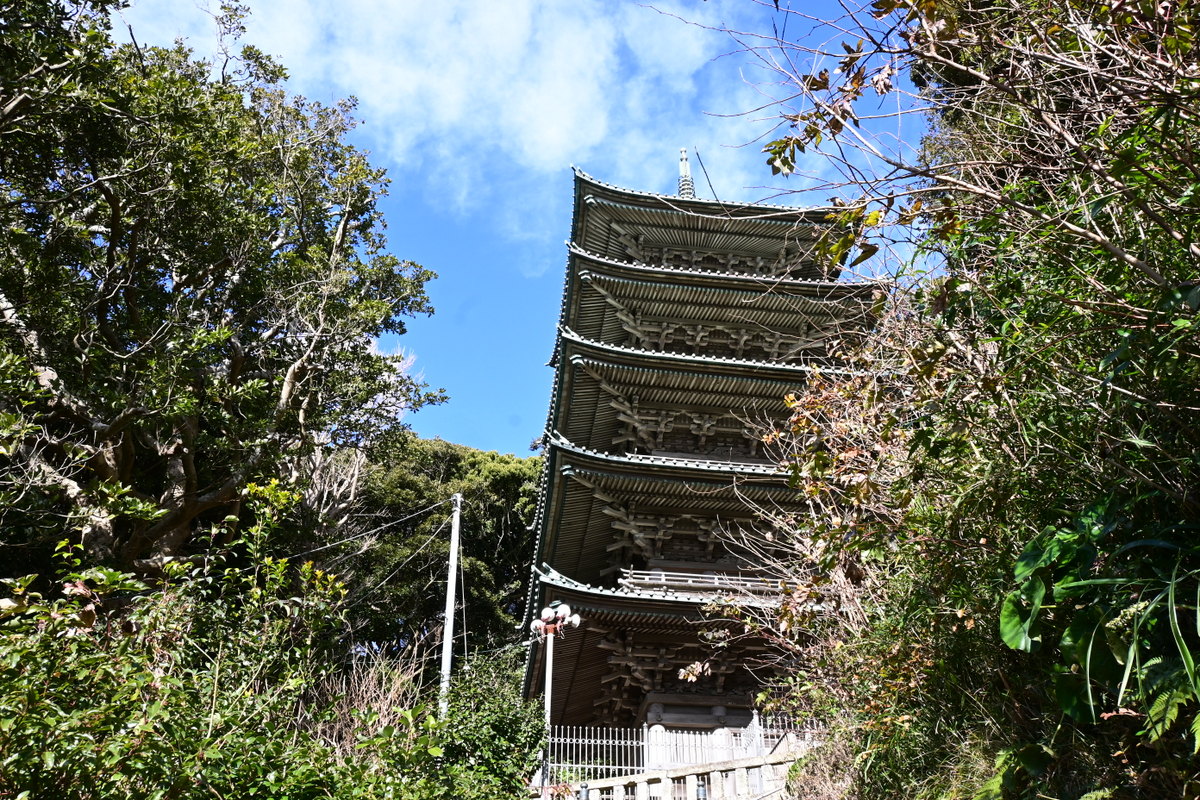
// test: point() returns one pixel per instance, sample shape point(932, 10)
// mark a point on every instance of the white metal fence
point(583, 753)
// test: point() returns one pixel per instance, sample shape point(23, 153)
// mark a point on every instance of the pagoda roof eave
point(609, 221)
point(685, 465)
point(582, 652)
point(748, 490)
point(601, 394)
point(734, 280)
point(757, 390)
point(757, 292)
point(657, 359)
point(624, 309)
point(694, 205)
point(719, 490)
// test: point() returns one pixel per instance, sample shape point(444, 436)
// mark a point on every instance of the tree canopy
point(407, 476)
point(197, 428)
point(193, 277)
point(1007, 509)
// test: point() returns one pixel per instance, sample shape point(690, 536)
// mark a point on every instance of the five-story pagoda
point(684, 324)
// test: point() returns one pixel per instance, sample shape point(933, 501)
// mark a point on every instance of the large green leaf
point(1071, 692)
point(1019, 626)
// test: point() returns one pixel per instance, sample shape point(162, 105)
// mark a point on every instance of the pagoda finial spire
point(686, 187)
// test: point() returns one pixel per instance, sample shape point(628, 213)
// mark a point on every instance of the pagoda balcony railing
point(581, 754)
point(697, 582)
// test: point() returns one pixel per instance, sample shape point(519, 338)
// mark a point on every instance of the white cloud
point(476, 108)
point(538, 81)
point(487, 100)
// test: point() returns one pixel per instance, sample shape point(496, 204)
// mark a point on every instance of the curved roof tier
point(704, 235)
point(599, 512)
point(815, 289)
point(746, 322)
point(821, 302)
point(622, 405)
point(631, 645)
point(666, 359)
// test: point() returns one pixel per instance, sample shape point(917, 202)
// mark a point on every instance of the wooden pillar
point(689, 784)
point(742, 782)
point(641, 790)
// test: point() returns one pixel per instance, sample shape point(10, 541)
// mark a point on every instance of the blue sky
point(478, 109)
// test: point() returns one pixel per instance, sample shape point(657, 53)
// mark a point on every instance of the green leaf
point(1002, 779)
point(1193, 298)
point(1087, 642)
point(865, 251)
point(992, 789)
point(1071, 692)
point(1092, 582)
point(1031, 559)
point(1146, 543)
point(1034, 758)
point(1185, 651)
point(1019, 627)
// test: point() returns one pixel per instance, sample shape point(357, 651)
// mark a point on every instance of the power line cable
point(396, 571)
point(373, 530)
point(462, 580)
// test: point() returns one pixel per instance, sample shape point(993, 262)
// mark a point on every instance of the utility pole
point(451, 594)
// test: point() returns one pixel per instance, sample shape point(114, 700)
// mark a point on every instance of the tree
point(1022, 600)
point(394, 555)
point(193, 275)
point(193, 279)
point(220, 683)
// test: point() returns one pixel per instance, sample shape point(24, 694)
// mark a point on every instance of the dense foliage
point(499, 493)
point(192, 278)
point(1007, 511)
point(221, 683)
point(208, 582)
